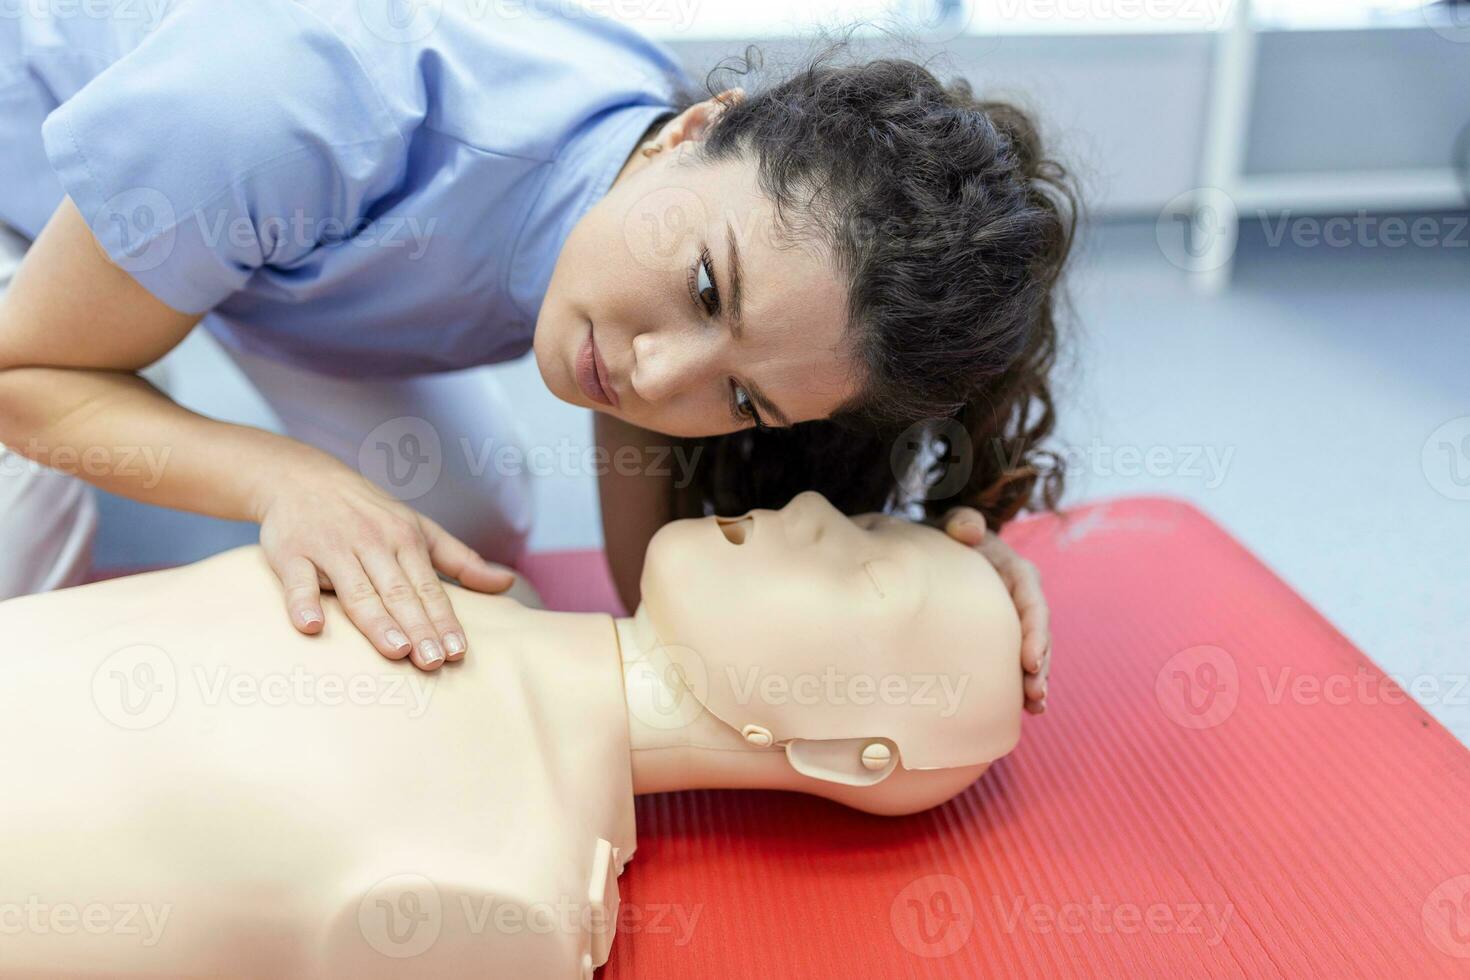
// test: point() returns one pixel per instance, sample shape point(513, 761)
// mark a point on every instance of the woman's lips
point(591, 373)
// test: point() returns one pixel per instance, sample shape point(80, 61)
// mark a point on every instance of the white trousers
point(47, 519)
point(447, 445)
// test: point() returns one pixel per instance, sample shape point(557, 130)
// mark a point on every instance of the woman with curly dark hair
point(843, 281)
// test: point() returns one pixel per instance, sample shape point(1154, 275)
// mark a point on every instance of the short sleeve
point(234, 136)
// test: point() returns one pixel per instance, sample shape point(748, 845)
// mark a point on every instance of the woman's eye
point(705, 289)
point(744, 407)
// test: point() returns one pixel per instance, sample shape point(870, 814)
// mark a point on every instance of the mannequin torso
point(298, 804)
point(201, 790)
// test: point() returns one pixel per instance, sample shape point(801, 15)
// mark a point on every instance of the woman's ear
point(691, 125)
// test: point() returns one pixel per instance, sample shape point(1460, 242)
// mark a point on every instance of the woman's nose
point(667, 362)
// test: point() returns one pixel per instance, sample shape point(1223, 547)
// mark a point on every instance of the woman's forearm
point(116, 431)
point(73, 330)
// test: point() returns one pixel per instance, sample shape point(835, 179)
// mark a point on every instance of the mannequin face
point(814, 626)
point(806, 559)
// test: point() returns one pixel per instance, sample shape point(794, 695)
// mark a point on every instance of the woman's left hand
point(967, 526)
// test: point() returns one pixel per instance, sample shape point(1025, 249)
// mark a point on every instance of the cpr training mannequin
point(194, 788)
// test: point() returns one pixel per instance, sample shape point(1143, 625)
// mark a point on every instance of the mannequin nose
point(663, 365)
point(812, 503)
point(808, 516)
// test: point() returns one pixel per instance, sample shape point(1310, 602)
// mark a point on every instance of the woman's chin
point(549, 366)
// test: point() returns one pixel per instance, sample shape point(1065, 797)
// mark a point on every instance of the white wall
point(1129, 109)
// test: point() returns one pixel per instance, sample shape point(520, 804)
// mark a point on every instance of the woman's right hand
point(331, 528)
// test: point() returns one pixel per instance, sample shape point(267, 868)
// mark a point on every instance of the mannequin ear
point(849, 761)
point(693, 123)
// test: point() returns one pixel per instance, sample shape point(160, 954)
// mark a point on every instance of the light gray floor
point(1295, 408)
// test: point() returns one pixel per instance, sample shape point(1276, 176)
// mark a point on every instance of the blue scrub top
point(368, 188)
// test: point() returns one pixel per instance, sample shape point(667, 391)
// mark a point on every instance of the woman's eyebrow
point(737, 277)
point(731, 310)
point(768, 408)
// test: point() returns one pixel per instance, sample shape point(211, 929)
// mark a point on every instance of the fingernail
point(454, 643)
point(397, 640)
point(310, 617)
point(430, 653)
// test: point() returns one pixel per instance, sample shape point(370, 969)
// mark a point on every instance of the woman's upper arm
point(238, 138)
point(70, 306)
point(636, 500)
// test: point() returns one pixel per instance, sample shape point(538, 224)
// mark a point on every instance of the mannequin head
point(865, 651)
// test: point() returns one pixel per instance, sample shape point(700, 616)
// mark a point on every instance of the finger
point(1035, 629)
point(401, 599)
point(303, 593)
point(966, 525)
point(363, 605)
point(420, 571)
point(1024, 583)
point(1035, 687)
point(459, 561)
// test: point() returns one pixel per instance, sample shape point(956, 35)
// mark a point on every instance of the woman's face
point(677, 305)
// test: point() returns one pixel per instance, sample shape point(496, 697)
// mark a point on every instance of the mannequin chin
point(278, 799)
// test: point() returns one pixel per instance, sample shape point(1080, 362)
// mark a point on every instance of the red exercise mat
point(1223, 786)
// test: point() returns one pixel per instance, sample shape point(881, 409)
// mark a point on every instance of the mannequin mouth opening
point(737, 530)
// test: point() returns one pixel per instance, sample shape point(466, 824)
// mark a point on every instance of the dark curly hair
point(951, 227)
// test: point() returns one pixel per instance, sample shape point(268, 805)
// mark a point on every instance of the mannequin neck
point(676, 743)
